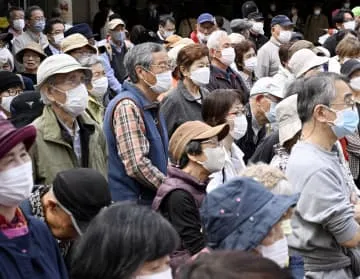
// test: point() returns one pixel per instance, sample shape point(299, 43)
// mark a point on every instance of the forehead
point(37, 13)
point(169, 23)
point(17, 13)
point(159, 57)
point(31, 52)
point(225, 40)
point(58, 26)
point(119, 27)
point(343, 90)
point(71, 75)
point(97, 67)
point(20, 147)
point(347, 16)
point(207, 25)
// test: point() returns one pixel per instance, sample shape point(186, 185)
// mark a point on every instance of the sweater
point(324, 216)
point(268, 60)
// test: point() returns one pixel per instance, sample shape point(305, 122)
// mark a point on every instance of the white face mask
point(163, 82)
point(228, 56)
point(201, 76)
point(240, 127)
point(58, 38)
point(100, 87)
point(285, 36)
point(202, 37)
point(87, 60)
point(16, 185)
point(277, 252)
point(19, 24)
point(355, 84)
point(6, 102)
point(76, 100)
point(215, 159)
point(350, 25)
point(251, 64)
point(168, 34)
point(166, 274)
point(258, 28)
point(317, 12)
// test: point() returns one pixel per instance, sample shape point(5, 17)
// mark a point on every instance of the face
point(56, 92)
point(83, 51)
point(347, 17)
point(13, 91)
point(206, 28)
point(276, 233)
point(276, 29)
point(6, 67)
point(97, 71)
point(260, 105)
point(314, 71)
point(57, 29)
point(197, 64)
point(36, 16)
point(294, 11)
point(58, 221)
point(169, 27)
point(208, 143)
point(224, 43)
point(14, 158)
point(237, 109)
point(114, 32)
point(160, 64)
point(249, 54)
point(31, 61)
point(16, 15)
point(153, 267)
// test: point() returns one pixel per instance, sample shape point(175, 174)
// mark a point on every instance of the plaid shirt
point(133, 146)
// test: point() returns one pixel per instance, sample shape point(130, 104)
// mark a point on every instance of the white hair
point(215, 38)
point(6, 57)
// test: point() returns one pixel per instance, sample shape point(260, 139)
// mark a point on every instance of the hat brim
point(76, 46)
point(221, 131)
point(26, 135)
point(284, 24)
point(20, 55)
point(204, 21)
point(318, 61)
point(288, 130)
point(259, 225)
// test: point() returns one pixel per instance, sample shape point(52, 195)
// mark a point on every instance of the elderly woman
point(184, 102)
point(246, 61)
point(10, 87)
point(27, 248)
point(197, 151)
point(64, 129)
point(31, 56)
point(220, 107)
point(138, 242)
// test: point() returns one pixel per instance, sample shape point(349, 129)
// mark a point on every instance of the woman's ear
point(184, 72)
point(48, 91)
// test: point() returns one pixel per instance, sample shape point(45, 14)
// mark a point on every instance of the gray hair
point(295, 87)
point(43, 97)
point(214, 39)
point(317, 90)
point(140, 55)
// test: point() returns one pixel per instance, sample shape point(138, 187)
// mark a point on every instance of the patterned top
point(16, 228)
point(133, 145)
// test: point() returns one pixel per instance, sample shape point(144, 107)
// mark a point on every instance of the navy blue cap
point(206, 17)
point(82, 28)
point(240, 214)
point(282, 20)
point(349, 67)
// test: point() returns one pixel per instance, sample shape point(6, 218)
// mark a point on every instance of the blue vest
point(122, 186)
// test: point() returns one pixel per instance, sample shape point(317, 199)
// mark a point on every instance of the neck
point(217, 63)
point(18, 32)
point(259, 117)
point(64, 117)
point(8, 212)
point(55, 46)
point(148, 93)
point(228, 141)
point(37, 34)
point(321, 136)
point(191, 87)
point(196, 171)
point(249, 73)
point(31, 71)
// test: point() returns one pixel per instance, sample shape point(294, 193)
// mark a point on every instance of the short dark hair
point(165, 18)
point(216, 106)
point(114, 16)
point(30, 10)
point(13, 9)
point(139, 34)
point(192, 148)
point(240, 49)
point(339, 16)
point(133, 235)
point(188, 54)
point(56, 12)
point(232, 265)
point(50, 23)
point(284, 54)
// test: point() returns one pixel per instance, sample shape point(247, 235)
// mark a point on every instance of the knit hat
point(9, 80)
point(81, 193)
point(10, 136)
point(193, 130)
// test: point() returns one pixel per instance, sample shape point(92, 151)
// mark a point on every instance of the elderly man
point(67, 137)
point(326, 219)
point(135, 129)
point(222, 55)
point(16, 21)
point(268, 55)
point(241, 26)
point(54, 30)
point(206, 24)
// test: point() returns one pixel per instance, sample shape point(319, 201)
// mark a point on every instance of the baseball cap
point(75, 41)
point(81, 193)
point(349, 67)
point(236, 38)
point(193, 130)
point(239, 24)
point(59, 64)
point(282, 20)
point(115, 22)
point(303, 60)
point(241, 213)
point(267, 85)
point(288, 118)
point(356, 11)
point(206, 17)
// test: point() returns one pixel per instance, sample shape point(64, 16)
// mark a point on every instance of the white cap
point(303, 60)
point(59, 64)
point(115, 22)
point(236, 38)
point(267, 85)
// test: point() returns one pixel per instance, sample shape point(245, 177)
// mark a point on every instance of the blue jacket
point(122, 186)
point(33, 256)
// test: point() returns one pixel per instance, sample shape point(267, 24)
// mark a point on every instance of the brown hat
point(301, 44)
point(33, 47)
point(171, 40)
point(75, 41)
point(193, 130)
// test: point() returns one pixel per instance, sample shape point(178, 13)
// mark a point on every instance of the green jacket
point(51, 153)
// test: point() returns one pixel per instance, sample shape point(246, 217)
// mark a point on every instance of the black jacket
point(258, 40)
point(265, 151)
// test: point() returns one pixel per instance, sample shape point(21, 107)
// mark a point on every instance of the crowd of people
point(155, 155)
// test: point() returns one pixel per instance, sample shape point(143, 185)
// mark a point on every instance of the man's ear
point(320, 114)
point(140, 72)
point(259, 98)
point(48, 92)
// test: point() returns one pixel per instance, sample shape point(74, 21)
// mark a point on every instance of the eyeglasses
point(239, 111)
point(34, 56)
point(214, 142)
point(11, 92)
point(349, 102)
point(169, 65)
point(38, 18)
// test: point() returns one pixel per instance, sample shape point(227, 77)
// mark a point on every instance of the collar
point(174, 172)
point(220, 73)
point(255, 125)
point(187, 95)
point(33, 36)
point(54, 50)
point(37, 209)
point(67, 129)
point(116, 47)
point(144, 101)
point(274, 41)
point(17, 222)
point(160, 36)
point(244, 75)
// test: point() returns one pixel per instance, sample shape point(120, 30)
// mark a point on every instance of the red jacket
point(193, 36)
